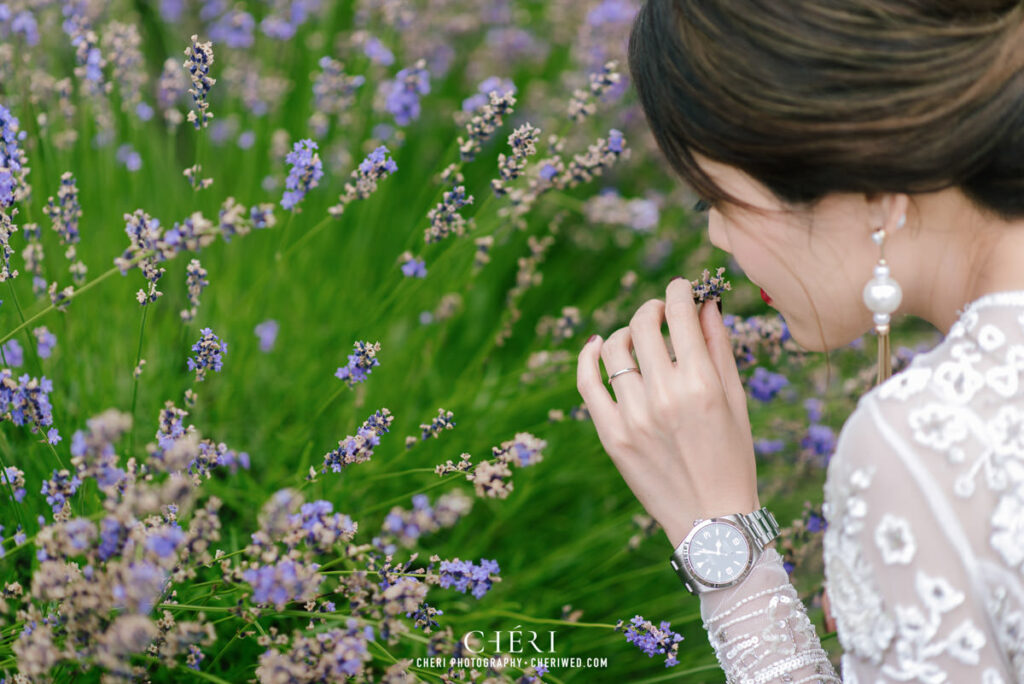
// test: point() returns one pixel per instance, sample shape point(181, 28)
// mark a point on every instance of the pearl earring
point(882, 295)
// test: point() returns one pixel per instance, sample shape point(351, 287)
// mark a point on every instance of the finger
point(683, 325)
point(591, 385)
point(719, 346)
point(645, 330)
point(617, 354)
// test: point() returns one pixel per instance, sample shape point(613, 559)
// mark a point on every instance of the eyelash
point(702, 205)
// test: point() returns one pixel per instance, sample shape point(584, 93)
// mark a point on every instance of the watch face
point(718, 553)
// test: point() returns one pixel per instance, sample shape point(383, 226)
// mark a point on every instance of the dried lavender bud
point(200, 57)
point(709, 287)
point(445, 219)
point(523, 143)
point(482, 126)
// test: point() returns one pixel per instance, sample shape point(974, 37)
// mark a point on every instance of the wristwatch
point(719, 552)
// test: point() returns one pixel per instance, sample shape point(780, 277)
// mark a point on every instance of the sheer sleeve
point(912, 596)
point(760, 630)
point(917, 593)
point(924, 536)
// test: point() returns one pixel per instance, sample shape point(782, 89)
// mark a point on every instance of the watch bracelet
point(761, 525)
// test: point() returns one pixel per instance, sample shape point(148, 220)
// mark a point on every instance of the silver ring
point(624, 370)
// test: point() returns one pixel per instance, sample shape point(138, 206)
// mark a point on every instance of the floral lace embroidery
point(1008, 527)
point(969, 417)
point(916, 643)
point(864, 627)
point(940, 427)
point(895, 539)
point(1010, 632)
point(905, 384)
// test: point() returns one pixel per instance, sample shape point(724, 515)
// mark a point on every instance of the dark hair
point(811, 97)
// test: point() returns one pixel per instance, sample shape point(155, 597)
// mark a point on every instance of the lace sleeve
point(905, 584)
point(760, 630)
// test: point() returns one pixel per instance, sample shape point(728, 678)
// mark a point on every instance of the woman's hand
point(678, 432)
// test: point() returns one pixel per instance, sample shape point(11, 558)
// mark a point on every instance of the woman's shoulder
point(977, 370)
point(924, 497)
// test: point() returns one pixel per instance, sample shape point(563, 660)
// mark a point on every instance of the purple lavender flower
point(246, 139)
point(821, 440)
point(652, 640)
point(267, 332)
point(816, 523)
point(12, 158)
point(164, 541)
point(13, 353)
point(322, 527)
point(81, 532)
point(768, 446)
point(765, 385)
point(24, 23)
point(27, 400)
point(306, 172)
point(234, 29)
point(414, 268)
point(144, 583)
point(360, 363)
point(60, 488)
point(209, 352)
point(46, 339)
point(403, 99)
point(376, 166)
point(359, 448)
point(13, 481)
point(333, 90)
point(462, 575)
point(615, 140)
point(171, 10)
point(283, 582)
point(112, 538)
point(814, 407)
point(611, 12)
point(375, 50)
point(144, 111)
point(127, 155)
point(262, 216)
point(502, 86)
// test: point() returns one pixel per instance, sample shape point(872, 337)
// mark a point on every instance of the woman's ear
point(887, 210)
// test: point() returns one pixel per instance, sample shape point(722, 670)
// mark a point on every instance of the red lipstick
point(765, 297)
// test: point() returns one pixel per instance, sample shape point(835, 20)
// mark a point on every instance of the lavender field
point(292, 296)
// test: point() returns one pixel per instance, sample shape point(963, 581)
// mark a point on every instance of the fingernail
point(590, 339)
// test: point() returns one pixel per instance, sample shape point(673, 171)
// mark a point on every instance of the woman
point(861, 159)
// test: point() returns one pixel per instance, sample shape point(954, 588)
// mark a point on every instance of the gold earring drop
point(882, 295)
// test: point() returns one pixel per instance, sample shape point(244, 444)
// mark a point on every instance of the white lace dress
point(924, 544)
